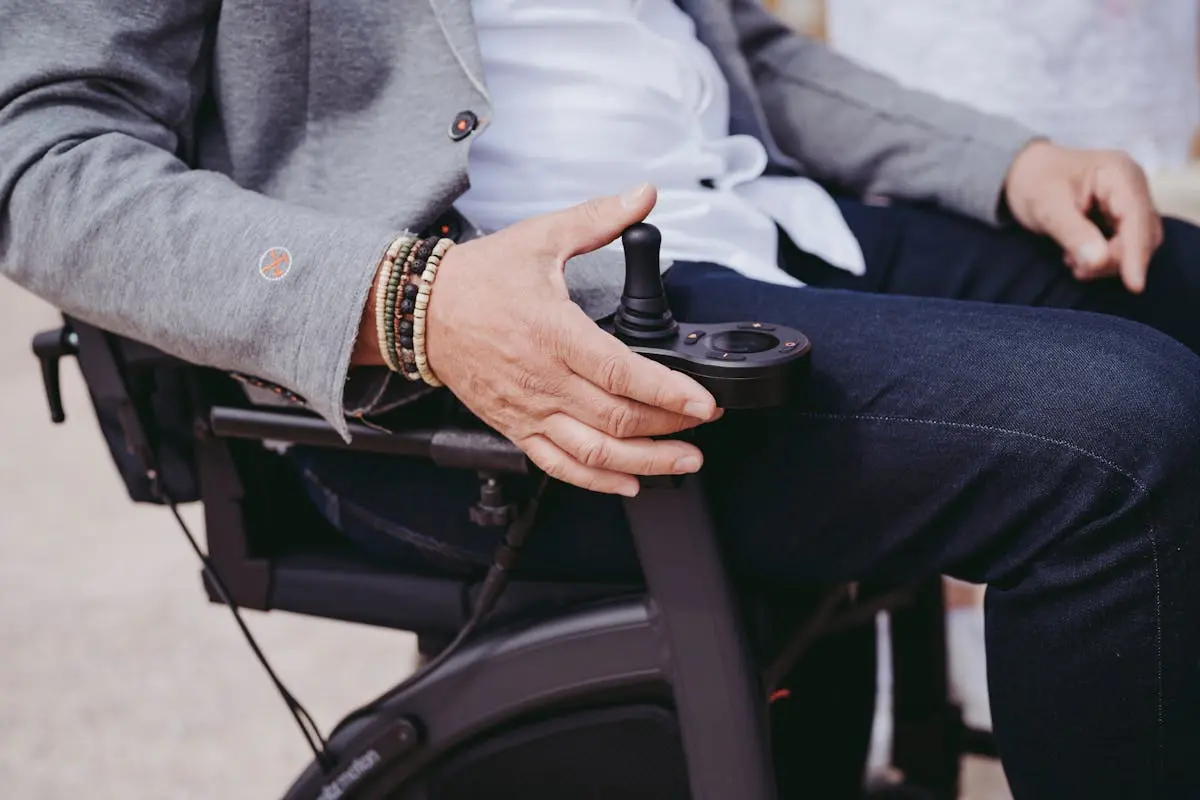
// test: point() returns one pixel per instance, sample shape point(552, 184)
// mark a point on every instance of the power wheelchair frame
point(666, 671)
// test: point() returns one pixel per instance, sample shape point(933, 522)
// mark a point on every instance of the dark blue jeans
point(973, 411)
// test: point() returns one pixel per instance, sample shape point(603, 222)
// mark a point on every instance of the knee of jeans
point(1138, 395)
point(1115, 407)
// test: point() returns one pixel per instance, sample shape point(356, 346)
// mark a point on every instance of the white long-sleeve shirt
point(591, 97)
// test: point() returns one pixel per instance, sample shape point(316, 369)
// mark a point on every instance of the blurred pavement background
point(117, 678)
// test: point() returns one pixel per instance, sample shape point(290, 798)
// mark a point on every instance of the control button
point(755, 326)
point(788, 346)
point(464, 123)
point(693, 337)
point(717, 356)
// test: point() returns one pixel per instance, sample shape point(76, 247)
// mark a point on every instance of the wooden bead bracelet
point(402, 290)
point(424, 292)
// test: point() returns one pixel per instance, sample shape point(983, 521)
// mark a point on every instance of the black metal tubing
point(354, 590)
point(926, 742)
point(454, 448)
point(719, 698)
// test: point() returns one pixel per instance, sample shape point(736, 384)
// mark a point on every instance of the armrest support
point(697, 616)
point(455, 448)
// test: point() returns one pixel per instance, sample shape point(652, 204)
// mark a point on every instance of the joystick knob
point(643, 314)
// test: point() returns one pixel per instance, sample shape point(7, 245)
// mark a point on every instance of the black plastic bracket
point(492, 510)
point(101, 370)
point(51, 347)
point(248, 579)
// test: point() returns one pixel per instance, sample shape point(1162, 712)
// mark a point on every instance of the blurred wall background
point(1119, 74)
point(1089, 73)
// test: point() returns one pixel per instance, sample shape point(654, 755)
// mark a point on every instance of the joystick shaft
point(643, 314)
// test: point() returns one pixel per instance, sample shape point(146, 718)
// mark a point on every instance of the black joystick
point(643, 314)
point(743, 364)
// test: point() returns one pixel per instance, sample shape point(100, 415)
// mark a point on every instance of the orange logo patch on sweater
point(275, 263)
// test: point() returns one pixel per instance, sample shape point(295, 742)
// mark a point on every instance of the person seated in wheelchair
point(364, 203)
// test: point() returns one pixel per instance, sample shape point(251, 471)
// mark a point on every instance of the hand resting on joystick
point(587, 407)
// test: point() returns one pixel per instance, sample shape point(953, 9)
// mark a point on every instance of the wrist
point(1027, 160)
point(366, 344)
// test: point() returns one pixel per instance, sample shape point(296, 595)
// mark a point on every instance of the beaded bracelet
point(404, 320)
point(397, 250)
point(402, 332)
point(402, 324)
point(381, 281)
point(421, 307)
point(394, 281)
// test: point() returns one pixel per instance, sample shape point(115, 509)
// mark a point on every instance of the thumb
point(591, 225)
point(1082, 242)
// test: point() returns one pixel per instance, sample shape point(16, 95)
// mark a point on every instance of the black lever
point(50, 347)
point(643, 314)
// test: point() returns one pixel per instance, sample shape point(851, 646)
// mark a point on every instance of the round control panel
point(743, 364)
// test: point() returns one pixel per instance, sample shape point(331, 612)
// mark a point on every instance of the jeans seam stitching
point(1142, 488)
point(991, 429)
point(1158, 644)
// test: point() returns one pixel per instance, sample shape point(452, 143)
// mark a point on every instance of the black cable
point(799, 642)
point(308, 727)
point(494, 584)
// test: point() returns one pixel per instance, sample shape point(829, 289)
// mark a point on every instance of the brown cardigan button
point(464, 123)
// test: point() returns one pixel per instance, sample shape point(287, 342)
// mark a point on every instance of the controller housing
point(743, 364)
